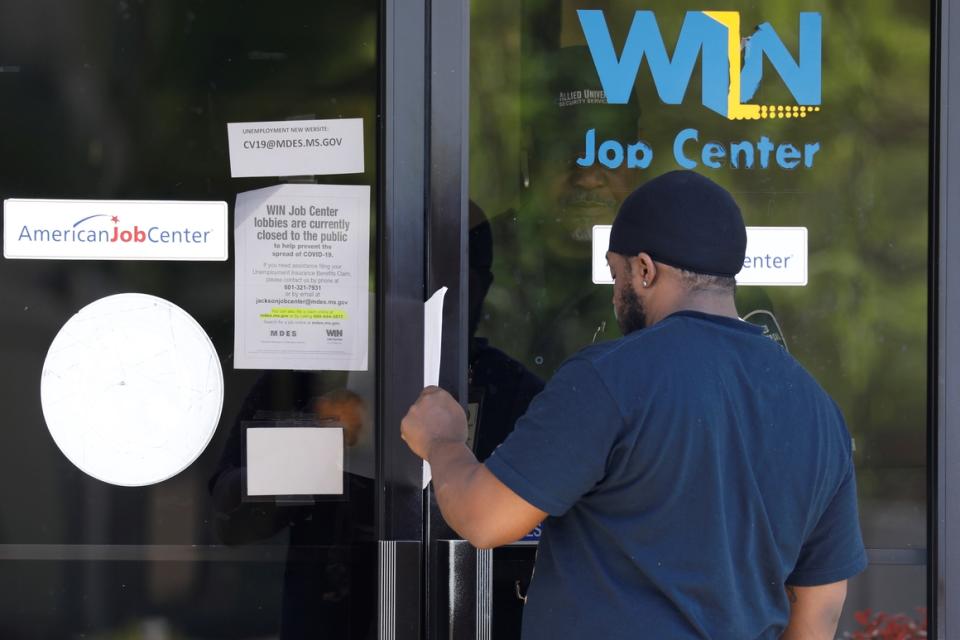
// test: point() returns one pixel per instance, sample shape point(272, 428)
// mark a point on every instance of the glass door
point(824, 139)
point(138, 426)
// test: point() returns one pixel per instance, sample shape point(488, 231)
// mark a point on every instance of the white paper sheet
point(432, 335)
point(295, 147)
point(291, 461)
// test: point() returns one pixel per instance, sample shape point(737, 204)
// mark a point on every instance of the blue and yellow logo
point(714, 37)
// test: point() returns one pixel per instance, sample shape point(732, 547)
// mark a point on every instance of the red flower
point(885, 626)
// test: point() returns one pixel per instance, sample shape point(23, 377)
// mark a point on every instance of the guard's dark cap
point(684, 220)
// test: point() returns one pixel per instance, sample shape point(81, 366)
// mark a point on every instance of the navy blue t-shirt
point(690, 471)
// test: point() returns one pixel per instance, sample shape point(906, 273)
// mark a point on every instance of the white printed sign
point(302, 277)
point(776, 256)
point(114, 230)
point(295, 147)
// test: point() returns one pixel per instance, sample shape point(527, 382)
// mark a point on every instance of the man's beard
point(631, 316)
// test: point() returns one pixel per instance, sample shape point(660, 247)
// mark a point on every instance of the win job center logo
point(728, 85)
point(714, 37)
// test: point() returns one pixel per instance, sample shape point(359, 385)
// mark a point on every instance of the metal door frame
point(401, 236)
point(944, 450)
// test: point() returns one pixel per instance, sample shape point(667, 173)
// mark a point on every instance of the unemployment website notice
point(295, 147)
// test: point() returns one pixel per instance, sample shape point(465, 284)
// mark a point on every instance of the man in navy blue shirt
point(696, 481)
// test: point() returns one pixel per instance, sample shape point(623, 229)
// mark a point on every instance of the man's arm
point(475, 503)
point(832, 553)
point(815, 611)
point(472, 500)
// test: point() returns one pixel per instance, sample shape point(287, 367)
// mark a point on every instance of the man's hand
point(435, 418)
point(472, 500)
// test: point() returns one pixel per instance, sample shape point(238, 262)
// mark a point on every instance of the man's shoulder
point(653, 342)
point(615, 366)
point(688, 349)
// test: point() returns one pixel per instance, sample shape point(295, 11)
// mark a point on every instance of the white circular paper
point(132, 389)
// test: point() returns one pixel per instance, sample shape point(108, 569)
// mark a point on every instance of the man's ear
point(644, 270)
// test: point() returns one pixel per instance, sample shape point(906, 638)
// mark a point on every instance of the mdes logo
point(715, 38)
point(114, 230)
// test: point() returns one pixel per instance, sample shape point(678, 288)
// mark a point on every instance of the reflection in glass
point(330, 573)
point(859, 326)
point(130, 100)
point(500, 387)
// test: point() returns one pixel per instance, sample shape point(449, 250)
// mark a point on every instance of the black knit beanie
point(684, 220)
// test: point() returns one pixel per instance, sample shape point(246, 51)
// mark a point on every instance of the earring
point(645, 283)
